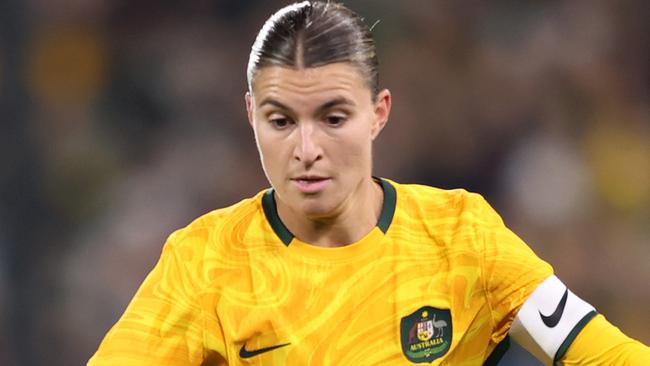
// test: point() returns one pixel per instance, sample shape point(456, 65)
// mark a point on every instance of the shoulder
point(445, 204)
point(214, 224)
point(194, 254)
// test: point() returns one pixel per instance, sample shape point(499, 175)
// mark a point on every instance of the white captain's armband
point(549, 320)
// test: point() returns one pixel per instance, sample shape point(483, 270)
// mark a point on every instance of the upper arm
point(165, 321)
point(558, 327)
point(550, 319)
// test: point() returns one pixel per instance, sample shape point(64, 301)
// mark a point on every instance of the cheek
point(271, 152)
point(354, 151)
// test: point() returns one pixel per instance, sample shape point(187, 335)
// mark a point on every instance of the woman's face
point(314, 129)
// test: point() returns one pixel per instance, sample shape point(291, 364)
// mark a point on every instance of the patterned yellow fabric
point(227, 286)
point(602, 344)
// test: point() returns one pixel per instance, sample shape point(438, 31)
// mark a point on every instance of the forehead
point(310, 83)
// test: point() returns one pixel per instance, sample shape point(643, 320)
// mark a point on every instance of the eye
point(335, 120)
point(280, 122)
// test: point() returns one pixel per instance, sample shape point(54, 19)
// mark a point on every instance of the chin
point(315, 208)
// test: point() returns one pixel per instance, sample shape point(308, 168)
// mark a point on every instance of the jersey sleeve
point(511, 270)
point(600, 343)
point(166, 320)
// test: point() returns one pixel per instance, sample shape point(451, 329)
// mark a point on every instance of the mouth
point(311, 184)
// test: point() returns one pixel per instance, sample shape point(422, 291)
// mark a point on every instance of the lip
point(310, 184)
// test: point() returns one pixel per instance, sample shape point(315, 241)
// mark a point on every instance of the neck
point(354, 220)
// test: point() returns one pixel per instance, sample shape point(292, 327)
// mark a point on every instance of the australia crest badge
point(426, 334)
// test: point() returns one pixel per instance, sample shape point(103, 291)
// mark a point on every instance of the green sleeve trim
point(498, 352)
point(572, 336)
point(271, 212)
point(390, 201)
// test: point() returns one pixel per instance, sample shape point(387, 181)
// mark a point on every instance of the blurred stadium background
point(123, 120)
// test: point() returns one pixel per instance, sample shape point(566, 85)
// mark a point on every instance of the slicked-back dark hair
point(315, 33)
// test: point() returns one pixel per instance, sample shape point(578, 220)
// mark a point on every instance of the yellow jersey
point(439, 280)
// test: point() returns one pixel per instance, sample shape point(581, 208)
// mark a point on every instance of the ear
point(382, 112)
point(249, 107)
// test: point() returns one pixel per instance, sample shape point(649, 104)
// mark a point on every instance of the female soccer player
point(333, 266)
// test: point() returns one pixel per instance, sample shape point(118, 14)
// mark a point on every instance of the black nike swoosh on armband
point(552, 320)
point(244, 353)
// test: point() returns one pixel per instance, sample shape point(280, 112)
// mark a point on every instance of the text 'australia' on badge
point(426, 334)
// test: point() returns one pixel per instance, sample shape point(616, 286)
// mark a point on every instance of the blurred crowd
point(124, 120)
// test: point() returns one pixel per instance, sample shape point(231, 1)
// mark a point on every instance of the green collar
point(385, 218)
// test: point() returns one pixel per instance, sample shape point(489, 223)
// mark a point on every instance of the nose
point(307, 149)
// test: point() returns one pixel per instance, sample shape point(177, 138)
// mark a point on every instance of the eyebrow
point(323, 107)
